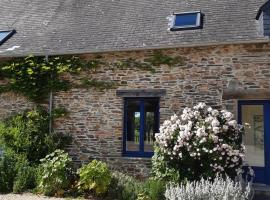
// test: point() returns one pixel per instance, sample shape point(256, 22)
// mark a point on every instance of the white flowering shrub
point(217, 189)
point(198, 144)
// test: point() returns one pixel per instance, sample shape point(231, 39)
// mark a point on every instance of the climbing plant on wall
point(35, 76)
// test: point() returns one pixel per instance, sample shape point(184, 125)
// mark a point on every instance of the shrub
point(199, 144)
point(28, 134)
point(54, 173)
point(95, 177)
point(152, 190)
point(218, 189)
point(25, 176)
point(16, 174)
point(7, 171)
point(123, 187)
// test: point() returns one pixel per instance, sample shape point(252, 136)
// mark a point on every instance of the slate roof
point(85, 26)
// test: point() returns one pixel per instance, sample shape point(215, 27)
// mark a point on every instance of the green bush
point(123, 187)
point(95, 177)
point(25, 176)
point(16, 174)
point(152, 190)
point(28, 134)
point(7, 171)
point(54, 173)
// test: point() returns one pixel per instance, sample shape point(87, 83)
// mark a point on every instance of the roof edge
point(266, 40)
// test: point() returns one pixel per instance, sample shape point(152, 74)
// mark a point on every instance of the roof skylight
point(5, 35)
point(186, 20)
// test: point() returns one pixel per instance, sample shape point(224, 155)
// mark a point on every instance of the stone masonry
point(95, 118)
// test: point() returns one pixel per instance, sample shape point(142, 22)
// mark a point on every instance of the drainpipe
point(50, 103)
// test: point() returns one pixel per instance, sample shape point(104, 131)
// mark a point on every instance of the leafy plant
point(35, 77)
point(25, 176)
point(123, 187)
point(134, 64)
point(16, 174)
point(54, 173)
point(152, 190)
point(98, 84)
point(7, 171)
point(94, 176)
point(28, 134)
point(158, 58)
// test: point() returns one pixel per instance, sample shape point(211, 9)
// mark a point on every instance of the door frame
point(262, 174)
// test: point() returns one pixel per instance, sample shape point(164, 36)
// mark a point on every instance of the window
point(5, 35)
point(140, 125)
point(187, 20)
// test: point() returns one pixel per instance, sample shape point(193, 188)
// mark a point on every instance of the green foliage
point(134, 64)
point(94, 176)
point(25, 176)
point(59, 112)
point(161, 170)
point(158, 59)
point(124, 187)
point(35, 77)
point(152, 190)
point(54, 173)
point(98, 84)
point(27, 134)
point(16, 174)
point(7, 171)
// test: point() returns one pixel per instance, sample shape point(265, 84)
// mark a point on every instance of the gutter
point(50, 102)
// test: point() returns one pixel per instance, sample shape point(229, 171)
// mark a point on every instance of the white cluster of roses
point(203, 131)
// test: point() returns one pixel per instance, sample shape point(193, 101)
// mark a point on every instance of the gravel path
point(27, 196)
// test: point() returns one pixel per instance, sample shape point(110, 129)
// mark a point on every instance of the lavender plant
point(218, 189)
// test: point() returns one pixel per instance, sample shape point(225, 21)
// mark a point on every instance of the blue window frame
point(5, 35)
point(141, 122)
point(187, 20)
point(254, 115)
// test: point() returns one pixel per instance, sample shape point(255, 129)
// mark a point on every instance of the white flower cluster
point(202, 132)
point(218, 189)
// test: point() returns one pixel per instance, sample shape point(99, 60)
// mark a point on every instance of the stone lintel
point(141, 93)
point(246, 94)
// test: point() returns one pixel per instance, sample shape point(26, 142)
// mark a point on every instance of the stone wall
point(96, 118)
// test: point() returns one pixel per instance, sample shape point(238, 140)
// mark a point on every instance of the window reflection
point(253, 121)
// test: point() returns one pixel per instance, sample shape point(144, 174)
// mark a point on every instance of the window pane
point(151, 124)
point(186, 19)
point(133, 125)
point(3, 34)
point(149, 132)
point(253, 121)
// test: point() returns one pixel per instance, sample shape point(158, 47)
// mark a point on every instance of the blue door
point(255, 117)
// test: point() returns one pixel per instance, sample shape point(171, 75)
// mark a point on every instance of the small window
point(140, 125)
point(184, 21)
point(5, 35)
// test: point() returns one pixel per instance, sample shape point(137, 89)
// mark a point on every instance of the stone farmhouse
point(217, 52)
